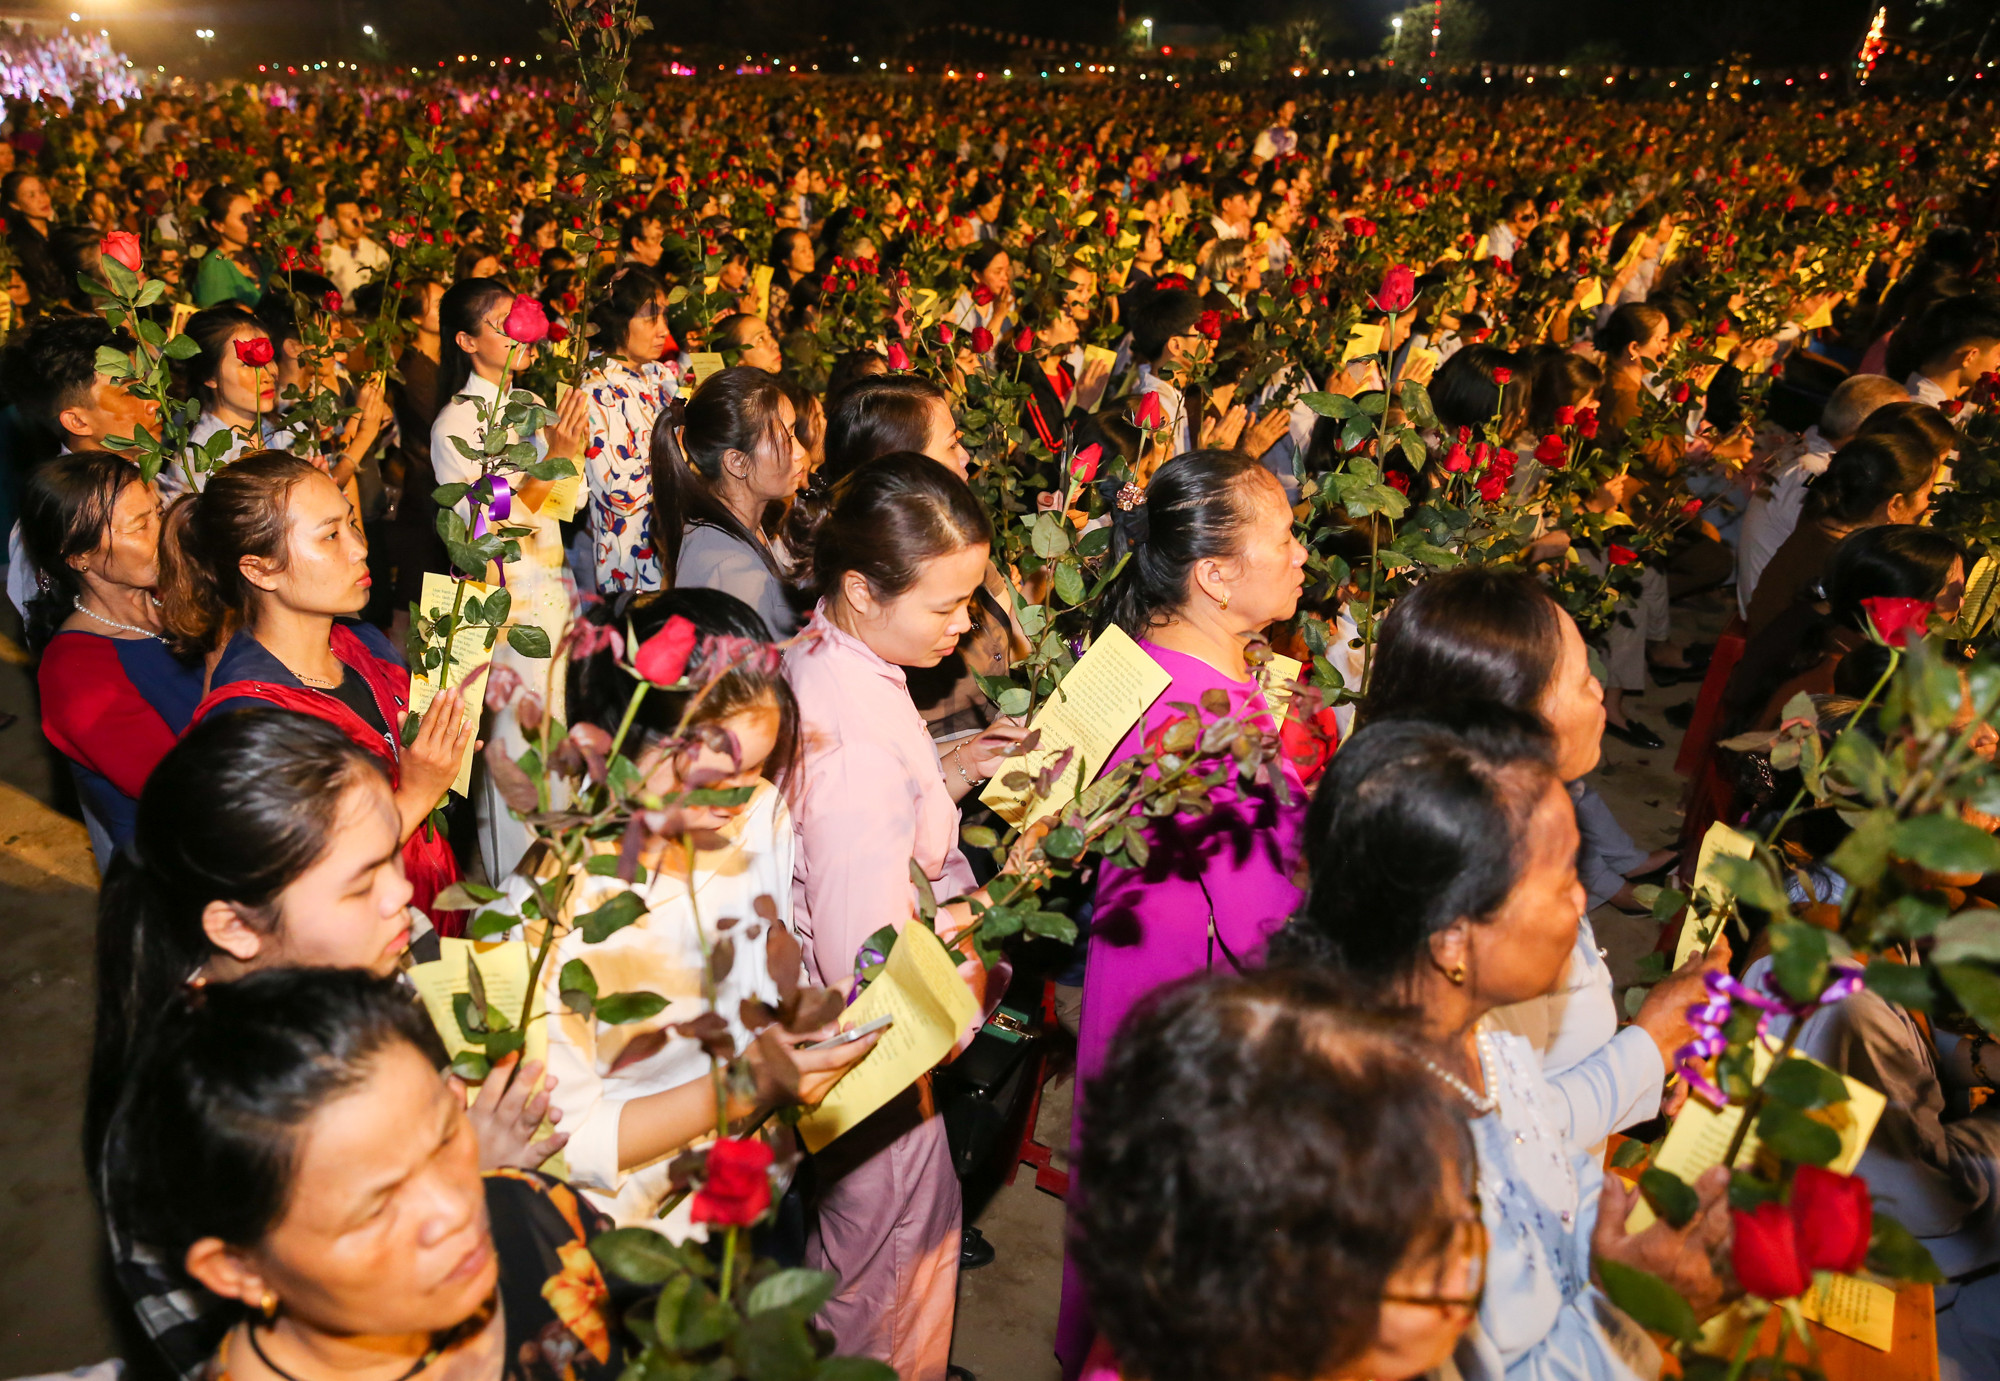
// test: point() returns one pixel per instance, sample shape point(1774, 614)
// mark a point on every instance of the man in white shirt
point(82, 408)
point(1958, 340)
point(352, 258)
point(1232, 208)
point(1771, 516)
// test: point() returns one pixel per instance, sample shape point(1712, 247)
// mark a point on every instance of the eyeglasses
point(1470, 1226)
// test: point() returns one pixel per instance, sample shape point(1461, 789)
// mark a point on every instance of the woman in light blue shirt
point(1443, 871)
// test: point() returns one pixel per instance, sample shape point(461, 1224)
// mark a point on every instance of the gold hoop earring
point(1456, 974)
point(268, 1305)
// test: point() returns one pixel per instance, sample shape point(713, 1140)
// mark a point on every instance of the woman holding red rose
point(1443, 875)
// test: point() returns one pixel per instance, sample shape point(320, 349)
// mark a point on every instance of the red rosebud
point(982, 340)
point(1398, 290)
point(1620, 556)
point(1551, 451)
point(1084, 464)
point(1210, 325)
point(1457, 460)
point(1151, 414)
point(663, 658)
point(254, 351)
point(527, 323)
point(1565, 415)
point(1895, 618)
point(736, 1185)
point(122, 246)
point(1766, 1255)
point(1503, 376)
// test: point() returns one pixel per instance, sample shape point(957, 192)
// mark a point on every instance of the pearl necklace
point(1481, 1104)
point(113, 623)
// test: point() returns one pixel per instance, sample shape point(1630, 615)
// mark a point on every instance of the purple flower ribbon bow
point(499, 502)
point(1724, 992)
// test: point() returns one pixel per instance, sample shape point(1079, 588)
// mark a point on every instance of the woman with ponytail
point(1217, 564)
point(720, 460)
point(265, 840)
point(896, 560)
point(262, 573)
point(114, 698)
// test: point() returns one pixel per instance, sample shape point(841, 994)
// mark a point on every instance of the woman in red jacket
point(262, 572)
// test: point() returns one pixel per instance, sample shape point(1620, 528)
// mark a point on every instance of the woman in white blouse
point(634, 1094)
point(476, 365)
point(719, 464)
point(627, 388)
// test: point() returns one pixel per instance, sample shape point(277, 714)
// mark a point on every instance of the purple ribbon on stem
point(1724, 992)
point(499, 502)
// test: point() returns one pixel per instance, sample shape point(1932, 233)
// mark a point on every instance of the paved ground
point(55, 1314)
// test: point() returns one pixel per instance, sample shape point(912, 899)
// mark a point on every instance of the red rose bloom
point(1832, 1219)
point(663, 658)
point(1398, 290)
point(121, 246)
point(1620, 556)
point(737, 1188)
point(1766, 1255)
point(254, 351)
point(1896, 619)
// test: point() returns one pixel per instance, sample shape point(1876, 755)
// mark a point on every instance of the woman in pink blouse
point(896, 561)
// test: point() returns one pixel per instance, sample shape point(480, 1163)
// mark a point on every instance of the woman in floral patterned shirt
point(289, 1142)
point(626, 392)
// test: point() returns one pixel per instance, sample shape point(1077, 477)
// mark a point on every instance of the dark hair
point(236, 812)
point(1159, 317)
point(1263, 1156)
point(1194, 511)
point(1631, 324)
point(216, 201)
point(891, 516)
point(631, 289)
point(212, 330)
point(1866, 473)
point(66, 508)
point(601, 688)
point(1953, 325)
point(1419, 822)
point(1910, 420)
point(1562, 380)
point(462, 308)
point(1475, 633)
point(1894, 561)
point(1464, 391)
point(203, 1140)
point(53, 365)
point(245, 510)
point(875, 416)
point(734, 409)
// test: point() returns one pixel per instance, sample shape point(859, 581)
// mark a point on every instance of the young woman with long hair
point(262, 573)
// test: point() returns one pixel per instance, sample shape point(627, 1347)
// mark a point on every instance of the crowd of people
point(1450, 399)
